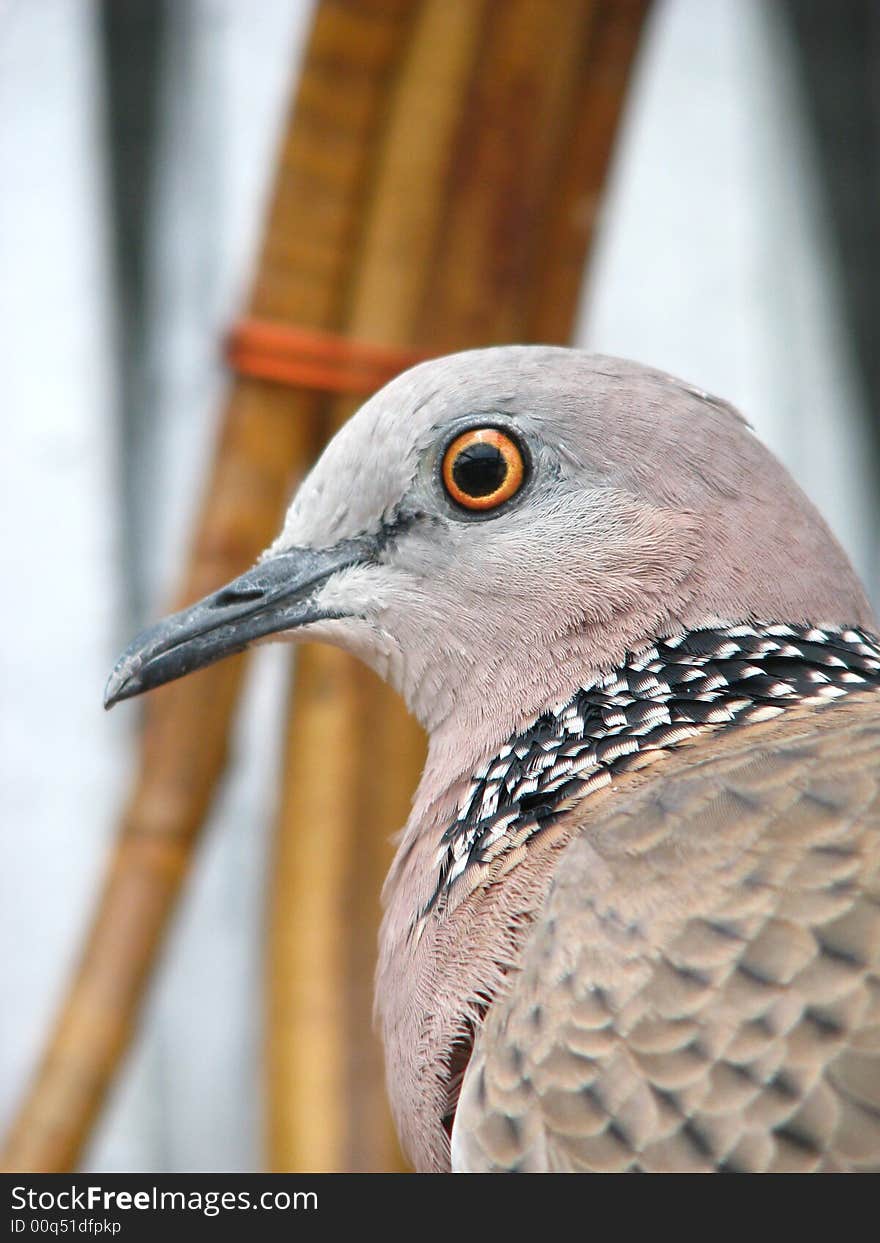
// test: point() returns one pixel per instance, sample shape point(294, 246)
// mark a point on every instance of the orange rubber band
point(307, 358)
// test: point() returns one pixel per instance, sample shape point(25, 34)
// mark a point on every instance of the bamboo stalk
point(267, 435)
point(609, 42)
point(474, 232)
point(341, 796)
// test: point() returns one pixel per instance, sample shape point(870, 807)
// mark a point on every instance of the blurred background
point(739, 247)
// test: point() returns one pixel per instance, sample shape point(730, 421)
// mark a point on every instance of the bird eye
point(483, 468)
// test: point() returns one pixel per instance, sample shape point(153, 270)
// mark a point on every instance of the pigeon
point(633, 921)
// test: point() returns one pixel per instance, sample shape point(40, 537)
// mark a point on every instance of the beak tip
point(111, 693)
point(122, 684)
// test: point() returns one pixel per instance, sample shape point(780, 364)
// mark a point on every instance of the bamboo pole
point(326, 1103)
point(267, 435)
point(476, 233)
point(609, 42)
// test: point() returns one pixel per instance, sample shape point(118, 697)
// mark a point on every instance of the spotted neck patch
point(660, 696)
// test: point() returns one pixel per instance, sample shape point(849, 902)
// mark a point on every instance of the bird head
point(494, 526)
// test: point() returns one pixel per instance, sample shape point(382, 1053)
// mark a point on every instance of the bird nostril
point(237, 595)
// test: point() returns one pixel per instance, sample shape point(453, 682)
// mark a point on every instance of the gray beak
point(278, 594)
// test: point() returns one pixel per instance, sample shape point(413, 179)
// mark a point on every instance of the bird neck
point(660, 696)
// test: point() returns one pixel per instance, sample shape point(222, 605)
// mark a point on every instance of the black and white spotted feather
point(661, 695)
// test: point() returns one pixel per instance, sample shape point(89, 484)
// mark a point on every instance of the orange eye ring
point(483, 468)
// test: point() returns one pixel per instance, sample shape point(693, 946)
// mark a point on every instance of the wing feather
point(702, 989)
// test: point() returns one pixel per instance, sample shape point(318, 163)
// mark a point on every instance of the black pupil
point(479, 470)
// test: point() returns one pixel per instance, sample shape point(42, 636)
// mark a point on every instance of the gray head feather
point(651, 508)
